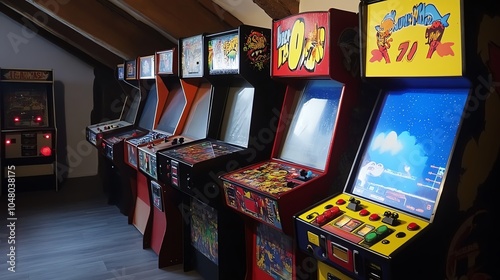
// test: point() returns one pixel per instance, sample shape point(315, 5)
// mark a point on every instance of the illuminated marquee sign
point(300, 45)
point(419, 39)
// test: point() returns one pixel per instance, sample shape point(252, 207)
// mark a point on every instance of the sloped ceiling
point(109, 31)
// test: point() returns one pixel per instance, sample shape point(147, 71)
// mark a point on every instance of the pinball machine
point(309, 56)
point(28, 130)
point(396, 214)
point(244, 107)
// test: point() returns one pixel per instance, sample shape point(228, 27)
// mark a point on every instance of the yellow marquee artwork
point(414, 39)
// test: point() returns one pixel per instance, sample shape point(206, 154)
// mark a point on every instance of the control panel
point(345, 231)
point(94, 132)
point(147, 153)
point(108, 143)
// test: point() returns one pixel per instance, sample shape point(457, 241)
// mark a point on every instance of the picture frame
point(131, 69)
point(120, 71)
point(147, 67)
point(165, 62)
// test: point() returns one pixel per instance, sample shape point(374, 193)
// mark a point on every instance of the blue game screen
point(408, 151)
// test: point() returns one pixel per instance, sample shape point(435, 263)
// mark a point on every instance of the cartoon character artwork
point(434, 34)
point(384, 40)
point(314, 49)
point(257, 48)
point(422, 16)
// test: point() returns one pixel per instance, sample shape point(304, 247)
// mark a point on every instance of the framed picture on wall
point(120, 71)
point(165, 62)
point(147, 67)
point(130, 69)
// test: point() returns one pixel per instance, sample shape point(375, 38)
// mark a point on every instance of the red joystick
point(412, 226)
point(340, 201)
point(374, 217)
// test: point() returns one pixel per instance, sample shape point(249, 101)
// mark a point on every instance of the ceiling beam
point(107, 26)
point(38, 23)
point(181, 18)
point(278, 9)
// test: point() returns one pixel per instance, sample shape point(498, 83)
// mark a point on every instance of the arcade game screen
point(147, 116)
point(409, 149)
point(238, 116)
point(310, 133)
point(196, 123)
point(25, 106)
point(172, 112)
point(130, 108)
point(145, 121)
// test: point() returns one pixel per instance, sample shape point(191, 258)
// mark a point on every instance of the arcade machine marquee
point(28, 129)
point(311, 138)
point(379, 226)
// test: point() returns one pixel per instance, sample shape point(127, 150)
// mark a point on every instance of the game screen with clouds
point(406, 159)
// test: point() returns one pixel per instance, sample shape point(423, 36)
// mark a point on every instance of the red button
point(340, 201)
point(364, 212)
point(374, 217)
point(412, 226)
point(320, 219)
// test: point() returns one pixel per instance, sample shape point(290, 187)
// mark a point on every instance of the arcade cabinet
point(312, 135)
point(156, 207)
point(127, 74)
point(113, 147)
point(394, 216)
point(132, 105)
point(140, 204)
point(28, 130)
point(244, 108)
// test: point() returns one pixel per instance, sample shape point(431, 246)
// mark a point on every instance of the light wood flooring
point(75, 234)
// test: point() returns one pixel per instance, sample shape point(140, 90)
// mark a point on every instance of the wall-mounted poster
point(147, 67)
point(165, 62)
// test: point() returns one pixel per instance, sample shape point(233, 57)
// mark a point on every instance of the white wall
point(250, 13)
point(23, 48)
point(323, 5)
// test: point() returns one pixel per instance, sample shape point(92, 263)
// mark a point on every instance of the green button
point(381, 230)
point(370, 237)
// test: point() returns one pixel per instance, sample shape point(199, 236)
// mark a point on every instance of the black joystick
point(390, 218)
point(354, 204)
point(305, 175)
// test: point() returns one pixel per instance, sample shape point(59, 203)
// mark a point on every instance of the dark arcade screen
point(197, 120)
point(147, 116)
point(173, 110)
point(409, 149)
point(25, 106)
point(131, 108)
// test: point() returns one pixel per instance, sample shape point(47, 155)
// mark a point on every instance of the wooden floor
point(75, 234)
